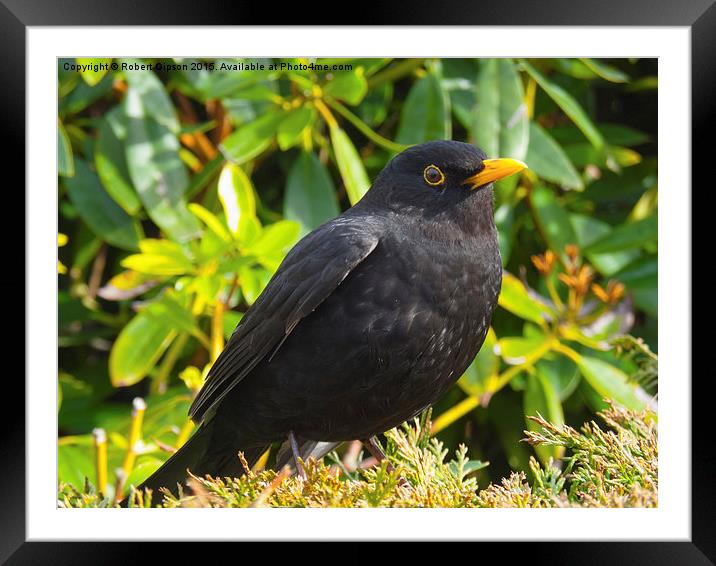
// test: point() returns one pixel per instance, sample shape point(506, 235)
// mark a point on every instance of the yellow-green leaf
point(237, 196)
point(481, 373)
point(350, 86)
point(292, 126)
point(252, 139)
point(515, 298)
point(94, 69)
point(350, 165)
point(611, 382)
point(541, 398)
point(211, 221)
point(138, 347)
point(276, 237)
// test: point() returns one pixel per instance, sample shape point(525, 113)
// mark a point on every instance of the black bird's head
point(441, 181)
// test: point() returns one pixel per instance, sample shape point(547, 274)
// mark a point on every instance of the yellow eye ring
point(433, 176)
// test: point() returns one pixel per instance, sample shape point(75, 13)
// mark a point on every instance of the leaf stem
point(553, 293)
point(100, 448)
point(364, 128)
point(160, 381)
point(326, 113)
point(135, 433)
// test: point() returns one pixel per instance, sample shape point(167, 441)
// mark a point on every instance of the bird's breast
point(406, 324)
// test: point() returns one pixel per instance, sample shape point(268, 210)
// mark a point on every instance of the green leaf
point(211, 220)
point(515, 298)
point(142, 470)
point(642, 281)
point(425, 114)
point(159, 257)
point(152, 153)
point(231, 321)
point(573, 67)
point(292, 126)
point(562, 373)
point(103, 216)
point(552, 219)
point(74, 463)
point(605, 71)
point(627, 235)
point(568, 104)
point(588, 231)
point(252, 139)
point(151, 264)
point(276, 237)
point(93, 73)
point(614, 134)
point(541, 398)
point(611, 382)
point(252, 282)
point(138, 348)
point(506, 229)
point(547, 160)
point(310, 197)
point(614, 157)
point(348, 86)
point(238, 199)
point(619, 134)
point(374, 108)
point(155, 102)
point(65, 161)
point(111, 164)
point(163, 247)
point(83, 95)
point(500, 120)
point(173, 313)
point(517, 350)
point(483, 370)
point(350, 165)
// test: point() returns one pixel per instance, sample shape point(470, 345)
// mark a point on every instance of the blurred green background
point(181, 188)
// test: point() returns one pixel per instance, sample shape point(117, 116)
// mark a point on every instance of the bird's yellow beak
point(494, 170)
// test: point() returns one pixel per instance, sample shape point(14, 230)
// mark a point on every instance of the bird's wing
point(308, 275)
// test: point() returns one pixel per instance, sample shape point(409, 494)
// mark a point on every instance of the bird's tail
point(196, 457)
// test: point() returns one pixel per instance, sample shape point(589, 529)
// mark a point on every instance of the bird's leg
point(377, 452)
point(296, 454)
point(374, 448)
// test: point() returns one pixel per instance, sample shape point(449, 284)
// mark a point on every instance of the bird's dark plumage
point(369, 319)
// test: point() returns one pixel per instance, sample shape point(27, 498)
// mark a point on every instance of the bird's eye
point(433, 176)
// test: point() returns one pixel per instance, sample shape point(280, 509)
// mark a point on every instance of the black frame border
point(698, 15)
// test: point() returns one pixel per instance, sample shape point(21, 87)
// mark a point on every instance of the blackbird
point(369, 319)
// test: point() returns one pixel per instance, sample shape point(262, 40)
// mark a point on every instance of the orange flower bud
point(600, 293)
point(572, 251)
point(544, 263)
point(612, 294)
